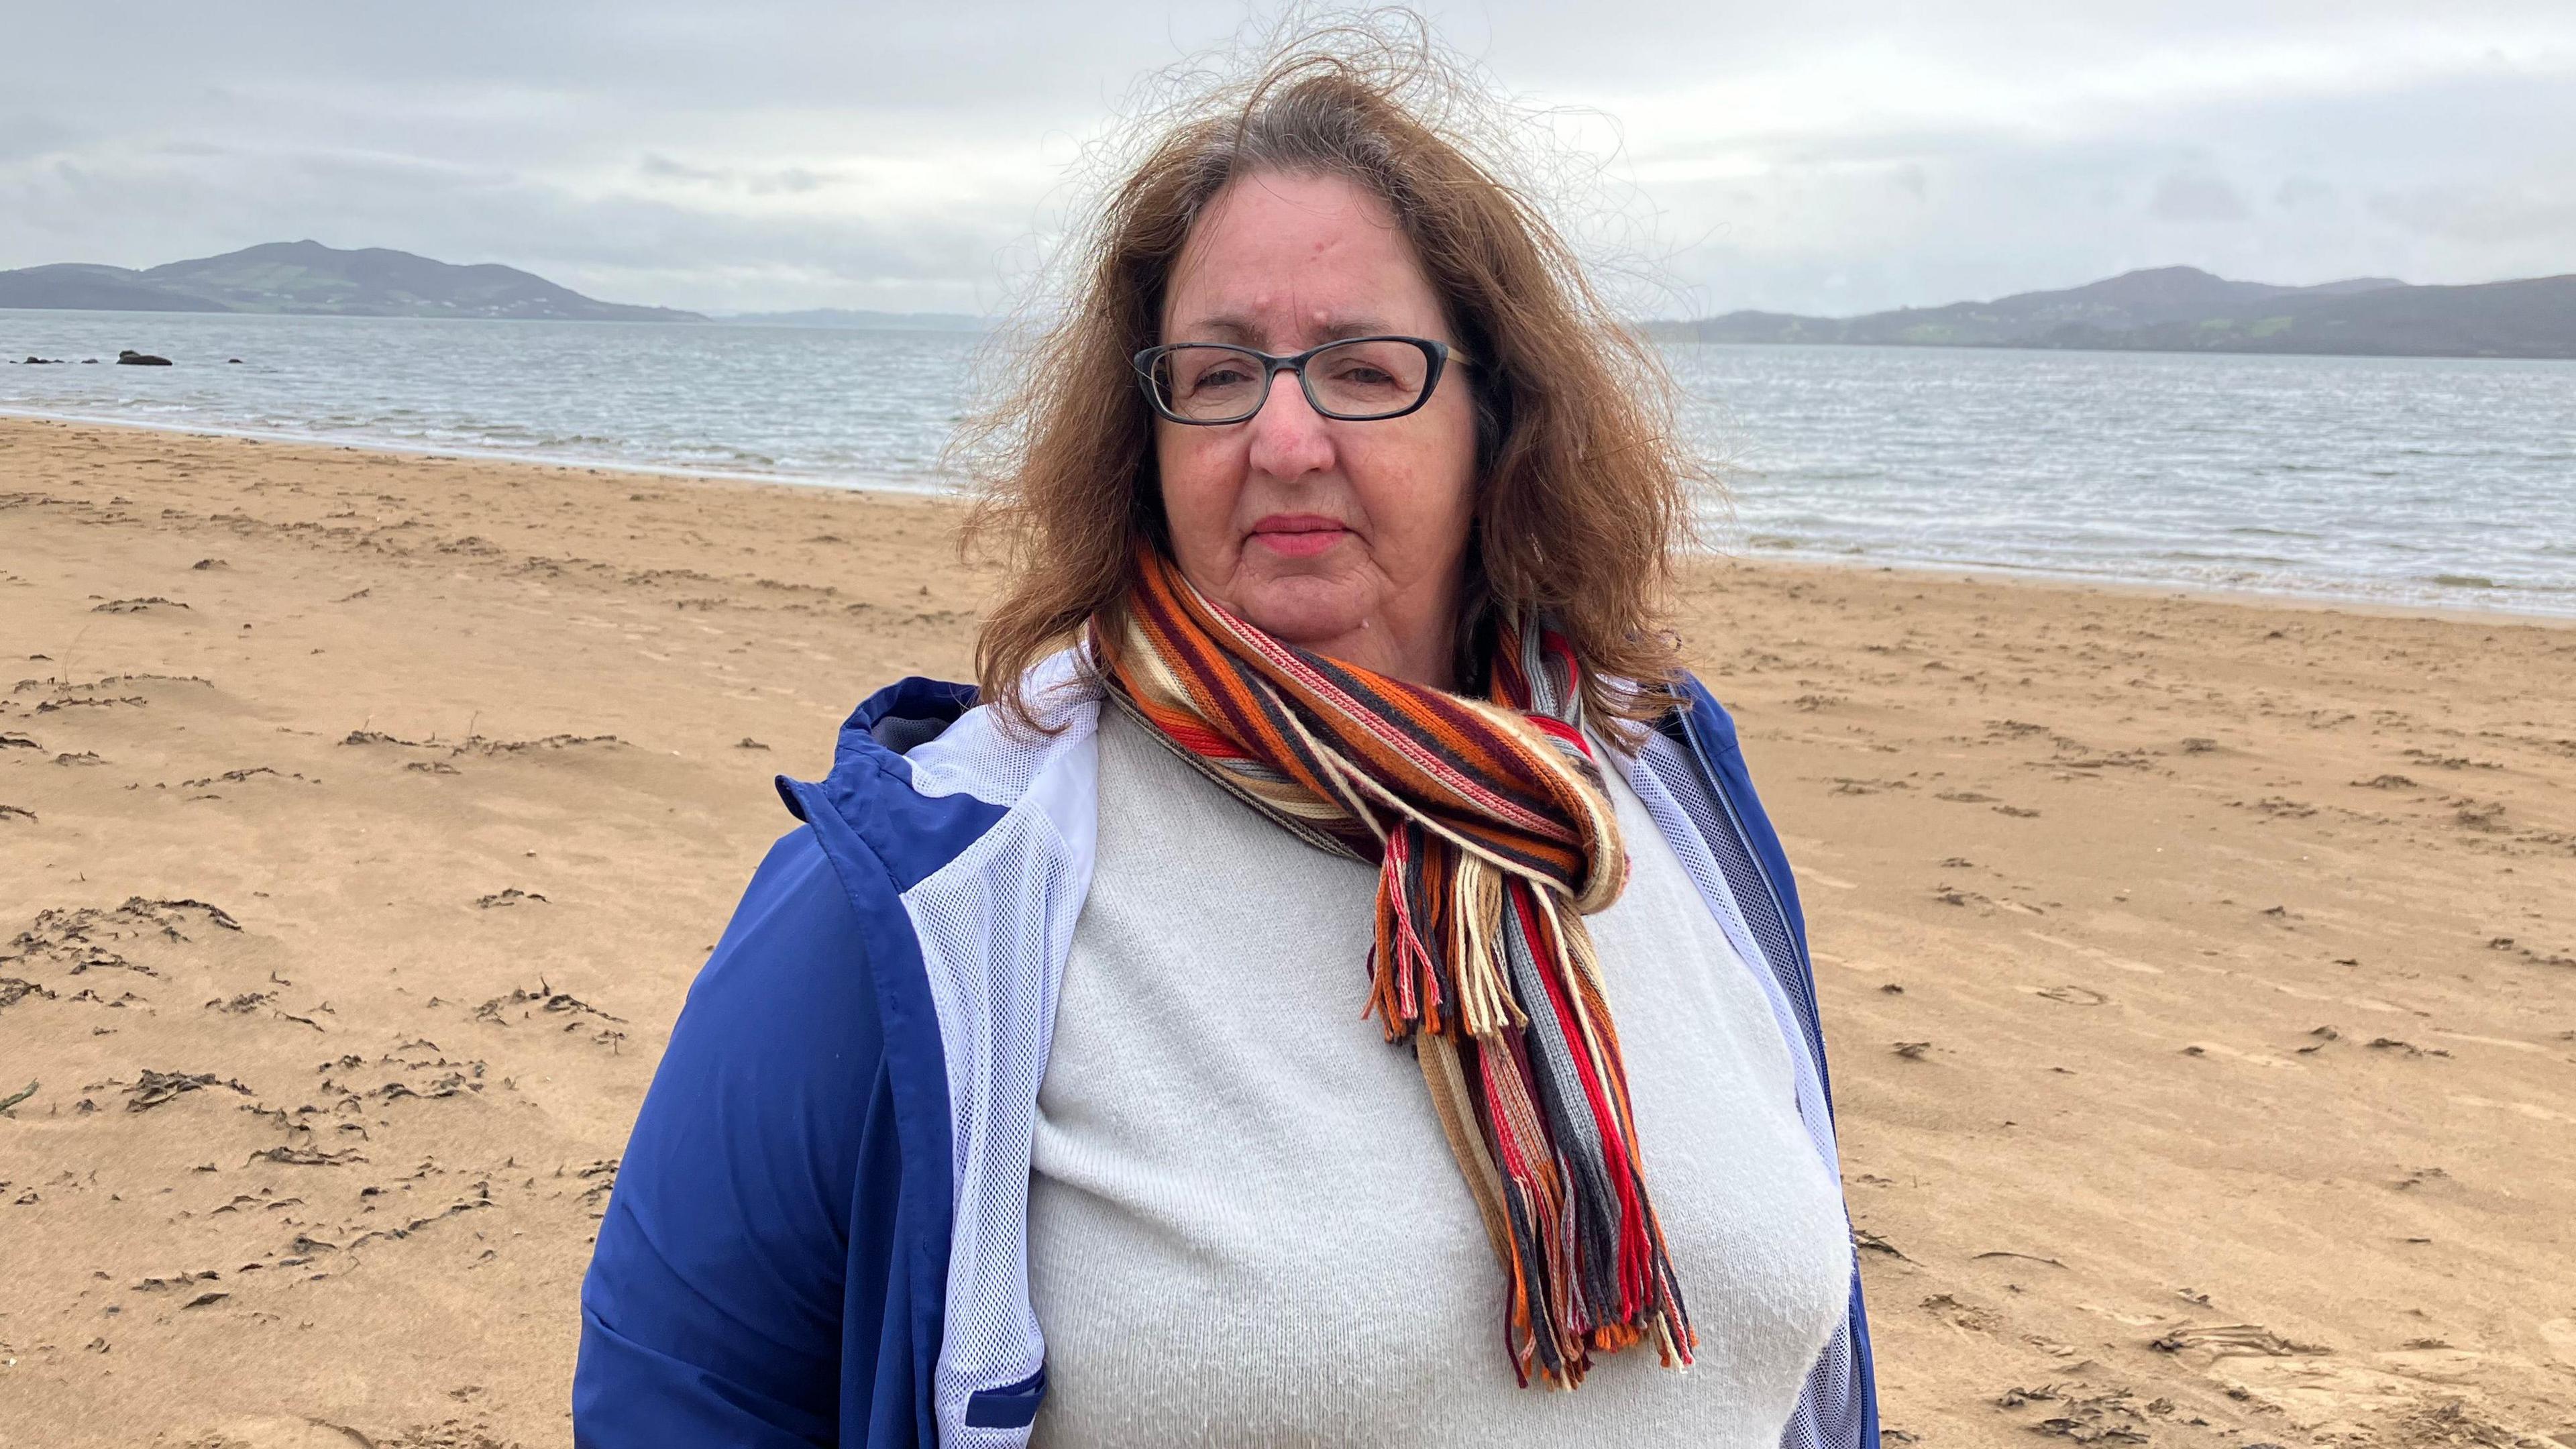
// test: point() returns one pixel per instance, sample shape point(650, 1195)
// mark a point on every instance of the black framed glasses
point(1357, 380)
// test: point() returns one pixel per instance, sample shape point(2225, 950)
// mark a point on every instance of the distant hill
point(310, 278)
point(103, 289)
point(861, 321)
point(2184, 309)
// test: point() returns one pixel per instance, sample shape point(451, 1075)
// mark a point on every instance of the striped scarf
point(1493, 837)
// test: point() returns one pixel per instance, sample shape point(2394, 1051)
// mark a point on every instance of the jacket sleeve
point(713, 1311)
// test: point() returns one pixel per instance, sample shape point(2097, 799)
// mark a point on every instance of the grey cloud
point(2196, 196)
point(664, 168)
point(2526, 211)
point(815, 152)
point(786, 181)
point(794, 181)
point(24, 134)
point(2304, 193)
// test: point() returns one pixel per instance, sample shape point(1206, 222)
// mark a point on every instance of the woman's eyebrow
point(1228, 327)
point(1358, 327)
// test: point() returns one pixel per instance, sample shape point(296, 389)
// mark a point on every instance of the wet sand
point(2200, 974)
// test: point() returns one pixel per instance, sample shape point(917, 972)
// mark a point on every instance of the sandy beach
point(2200, 974)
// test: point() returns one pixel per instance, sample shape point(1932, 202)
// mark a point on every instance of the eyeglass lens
point(1356, 380)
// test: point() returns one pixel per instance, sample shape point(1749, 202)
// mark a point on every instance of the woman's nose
point(1289, 438)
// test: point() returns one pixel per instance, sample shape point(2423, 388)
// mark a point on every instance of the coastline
point(2009, 575)
point(2168, 947)
point(2326, 601)
point(359, 444)
point(1675, 339)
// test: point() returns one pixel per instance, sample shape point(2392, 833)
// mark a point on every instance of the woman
point(1029, 1091)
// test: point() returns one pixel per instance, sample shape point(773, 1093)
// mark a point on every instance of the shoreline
point(426, 450)
point(365, 819)
point(2325, 601)
point(2008, 575)
point(1661, 330)
point(2024, 347)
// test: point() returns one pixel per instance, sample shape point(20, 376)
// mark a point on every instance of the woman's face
point(1346, 538)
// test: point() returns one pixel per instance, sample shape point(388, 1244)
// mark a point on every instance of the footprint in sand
point(2560, 1335)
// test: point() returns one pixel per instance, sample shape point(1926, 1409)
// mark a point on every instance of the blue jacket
point(817, 1231)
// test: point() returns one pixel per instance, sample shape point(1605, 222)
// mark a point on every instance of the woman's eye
point(1220, 377)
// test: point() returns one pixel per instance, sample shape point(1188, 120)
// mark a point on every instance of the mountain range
point(308, 277)
point(2165, 309)
point(2184, 309)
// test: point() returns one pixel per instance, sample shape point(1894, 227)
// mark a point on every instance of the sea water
point(2390, 480)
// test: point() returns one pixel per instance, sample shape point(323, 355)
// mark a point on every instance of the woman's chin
point(1317, 629)
point(1309, 613)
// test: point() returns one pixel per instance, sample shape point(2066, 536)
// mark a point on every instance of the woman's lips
point(1299, 535)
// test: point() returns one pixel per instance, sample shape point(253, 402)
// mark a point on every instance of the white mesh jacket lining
point(995, 926)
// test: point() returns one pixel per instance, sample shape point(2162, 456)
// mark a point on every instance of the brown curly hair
point(1583, 491)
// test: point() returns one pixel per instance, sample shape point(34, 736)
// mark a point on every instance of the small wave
point(2465, 581)
point(1824, 475)
point(2186, 555)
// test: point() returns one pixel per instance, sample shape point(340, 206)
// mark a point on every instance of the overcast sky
point(1822, 157)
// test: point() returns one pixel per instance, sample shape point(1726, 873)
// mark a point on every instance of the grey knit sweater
point(1246, 1229)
